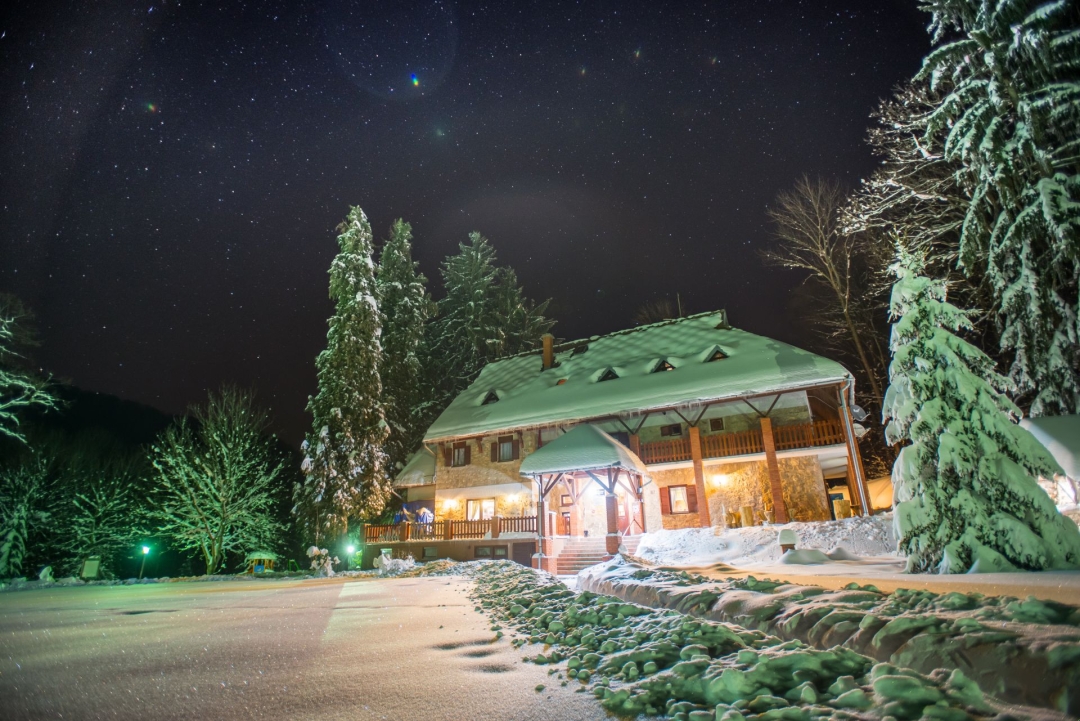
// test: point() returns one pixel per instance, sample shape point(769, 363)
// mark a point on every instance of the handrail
point(744, 443)
point(446, 529)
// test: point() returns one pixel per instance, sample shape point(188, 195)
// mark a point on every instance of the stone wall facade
point(731, 486)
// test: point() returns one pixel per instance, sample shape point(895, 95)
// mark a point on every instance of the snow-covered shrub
point(321, 561)
point(394, 566)
point(964, 490)
point(23, 508)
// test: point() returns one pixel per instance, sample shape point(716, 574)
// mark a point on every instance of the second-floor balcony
point(746, 443)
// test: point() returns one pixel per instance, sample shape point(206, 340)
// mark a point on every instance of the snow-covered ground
point(862, 537)
point(832, 555)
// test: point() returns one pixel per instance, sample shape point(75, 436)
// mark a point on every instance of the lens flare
point(415, 80)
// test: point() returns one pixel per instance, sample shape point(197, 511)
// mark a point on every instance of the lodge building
point(559, 457)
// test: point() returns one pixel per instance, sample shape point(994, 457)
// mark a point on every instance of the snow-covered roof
point(573, 390)
point(582, 448)
point(419, 470)
point(1061, 436)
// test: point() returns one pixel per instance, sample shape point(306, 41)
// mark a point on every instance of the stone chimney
point(549, 350)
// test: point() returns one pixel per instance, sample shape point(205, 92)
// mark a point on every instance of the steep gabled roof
point(531, 397)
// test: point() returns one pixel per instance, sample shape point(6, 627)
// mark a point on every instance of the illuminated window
point(460, 455)
point(663, 366)
point(506, 448)
point(679, 504)
point(479, 509)
point(716, 355)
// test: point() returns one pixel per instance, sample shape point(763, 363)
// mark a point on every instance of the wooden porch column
point(640, 498)
point(611, 505)
point(542, 545)
point(855, 465)
point(699, 477)
point(775, 488)
point(635, 444)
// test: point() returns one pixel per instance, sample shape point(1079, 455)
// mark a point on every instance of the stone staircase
point(581, 553)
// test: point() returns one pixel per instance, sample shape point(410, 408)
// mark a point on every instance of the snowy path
point(374, 649)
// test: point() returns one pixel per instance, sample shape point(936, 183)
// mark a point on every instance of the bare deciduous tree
point(654, 311)
point(20, 390)
point(811, 240)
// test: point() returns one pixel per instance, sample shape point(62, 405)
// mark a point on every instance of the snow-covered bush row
point(1021, 651)
point(640, 660)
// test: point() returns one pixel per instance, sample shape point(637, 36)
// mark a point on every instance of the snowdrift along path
point(638, 660)
point(1025, 652)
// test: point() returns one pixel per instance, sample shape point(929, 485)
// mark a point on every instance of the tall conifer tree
point(1007, 113)
point(964, 490)
point(484, 315)
point(405, 307)
point(345, 462)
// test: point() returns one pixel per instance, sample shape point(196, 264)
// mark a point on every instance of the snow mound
point(804, 557)
point(396, 566)
point(847, 539)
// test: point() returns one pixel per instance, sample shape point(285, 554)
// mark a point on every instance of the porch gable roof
point(582, 448)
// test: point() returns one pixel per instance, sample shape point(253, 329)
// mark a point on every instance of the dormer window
point(715, 355)
point(663, 366)
point(491, 397)
point(608, 375)
point(579, 349)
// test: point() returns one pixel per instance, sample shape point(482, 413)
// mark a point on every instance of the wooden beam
point(855, 464)
point(780, 513)
point(699, 477)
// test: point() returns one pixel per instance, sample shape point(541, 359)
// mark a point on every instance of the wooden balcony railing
point(447, 530)
point(677, 449)
point(518, 524)
point(746, 443)
point(739, 443)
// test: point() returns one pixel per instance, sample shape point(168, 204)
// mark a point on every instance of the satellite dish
point(860, 430)
point(858, 413)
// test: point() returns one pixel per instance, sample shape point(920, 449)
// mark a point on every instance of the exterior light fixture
point(142, 566)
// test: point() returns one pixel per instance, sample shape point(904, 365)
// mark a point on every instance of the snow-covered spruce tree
point(23, 510)
point(1008, 115)
point(345, 464)
point(20, 390)
point(964, 493)
point(484, 315)
point(217, 479)
point(406, 307)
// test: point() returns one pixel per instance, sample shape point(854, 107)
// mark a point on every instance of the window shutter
point(495, 451)
point(468, 455)
point(665, 501)
point(691, 499)
point(448, 455)
point(517, 449)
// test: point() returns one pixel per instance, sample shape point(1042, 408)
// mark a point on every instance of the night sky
point(171, 173)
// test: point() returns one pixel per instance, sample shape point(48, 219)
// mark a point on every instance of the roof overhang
point(661, 408)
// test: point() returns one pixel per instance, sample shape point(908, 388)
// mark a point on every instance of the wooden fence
point(746, 443)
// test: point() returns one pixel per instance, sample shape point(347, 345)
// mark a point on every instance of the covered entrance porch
point(588, 486)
